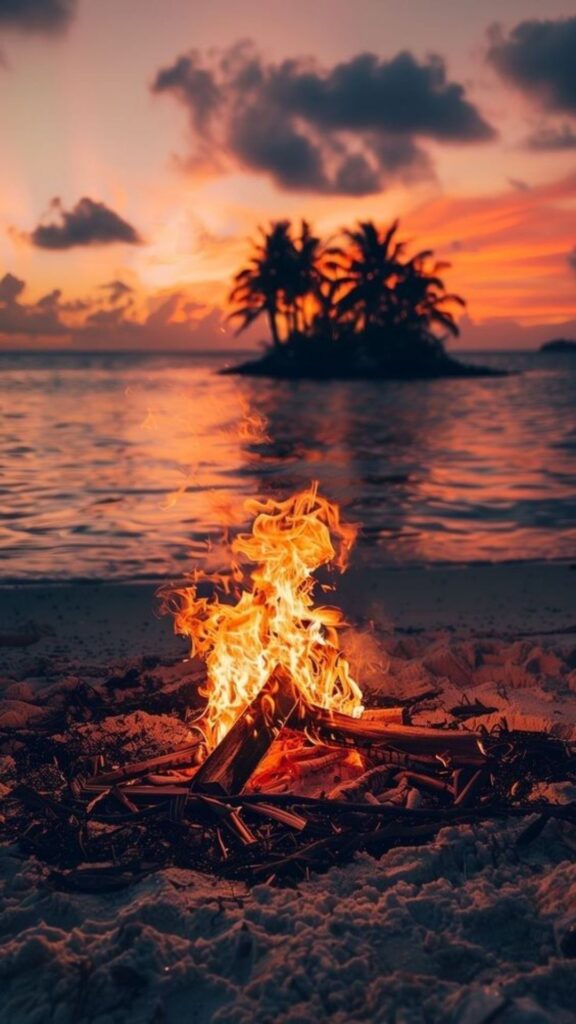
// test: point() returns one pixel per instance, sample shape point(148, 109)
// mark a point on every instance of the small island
point(559, 345)
point(352, 308)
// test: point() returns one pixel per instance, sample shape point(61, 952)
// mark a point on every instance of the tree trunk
point(273, 327)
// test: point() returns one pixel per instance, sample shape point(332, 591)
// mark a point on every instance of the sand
point(108, 622)
point(469, 928)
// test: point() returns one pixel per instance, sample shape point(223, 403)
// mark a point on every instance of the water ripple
point(118, 465)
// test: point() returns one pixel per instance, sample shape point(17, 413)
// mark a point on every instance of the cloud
point(10, 288)
point(120, 328)
point(28, 319)
point(37, 15)
point(348, 129)
point(87, 223)
point(571, 258)
point(539, 58)
point(552, 139)
point(117, 291)
point(111, 319)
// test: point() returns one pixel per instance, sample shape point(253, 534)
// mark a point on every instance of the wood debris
point(290, 789)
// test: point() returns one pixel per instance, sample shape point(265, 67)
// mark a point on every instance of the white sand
point(468, 929)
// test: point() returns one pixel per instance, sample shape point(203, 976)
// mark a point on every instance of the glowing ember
point(274, 620)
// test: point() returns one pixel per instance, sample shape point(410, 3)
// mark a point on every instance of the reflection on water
point(115, 466)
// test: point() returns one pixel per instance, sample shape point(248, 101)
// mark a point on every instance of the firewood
point(122, 796)
point(290, 818)
point(460, 748)
point(230, 765)
point(422, 781)
point(471, 789)
point(150, 793)
point(230, 817)
point(183, 758)
point(471, 710)
point(386, 716)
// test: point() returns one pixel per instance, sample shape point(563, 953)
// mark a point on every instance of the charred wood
point(228, 768)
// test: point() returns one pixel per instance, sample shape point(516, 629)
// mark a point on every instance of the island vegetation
point(353, 307)
point(561, 345)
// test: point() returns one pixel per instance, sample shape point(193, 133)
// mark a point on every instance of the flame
point(273, 620)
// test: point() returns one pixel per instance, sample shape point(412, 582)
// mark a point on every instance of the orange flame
point(274, 621)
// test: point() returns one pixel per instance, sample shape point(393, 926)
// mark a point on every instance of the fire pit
point(292, 768)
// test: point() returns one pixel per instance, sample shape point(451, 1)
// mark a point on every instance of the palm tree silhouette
point(370, 272)
point(308, 275)
point(260, 287)
point(392, 298)
point(365, 293)
point(421, 298)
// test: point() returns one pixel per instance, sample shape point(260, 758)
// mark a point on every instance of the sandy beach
point(106, 622)
point(287, 512)
point(468, 928)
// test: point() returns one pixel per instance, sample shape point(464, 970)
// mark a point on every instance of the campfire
point(293, 768)
point(272, 622)
point(278, 686)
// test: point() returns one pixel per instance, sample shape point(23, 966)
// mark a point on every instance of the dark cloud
point(348, 129)
point(10, 288)
point(33, 319)
point(117, 291)
point(549, 140)
point(87, 223)
point(365, 93)
point(572, 259)
point(36, 15)
point(539, 57)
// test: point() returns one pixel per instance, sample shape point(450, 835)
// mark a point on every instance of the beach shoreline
point(118, 620)
point(434, 932)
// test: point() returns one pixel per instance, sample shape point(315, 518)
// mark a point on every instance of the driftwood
point(185, 757)
point(202, 818)
point(230, 765)
point(331, 727)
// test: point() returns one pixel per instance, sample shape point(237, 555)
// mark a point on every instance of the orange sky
point(79, 118)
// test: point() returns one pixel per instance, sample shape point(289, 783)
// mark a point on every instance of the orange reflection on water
point(130, 466)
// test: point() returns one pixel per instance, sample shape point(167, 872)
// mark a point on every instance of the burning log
point(331, 727)
point(230, 765)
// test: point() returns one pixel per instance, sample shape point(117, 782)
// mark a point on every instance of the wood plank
point(331, 727)
point(184, 757)
point(228, 768)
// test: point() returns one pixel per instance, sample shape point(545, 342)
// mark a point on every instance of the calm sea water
point(121, 465)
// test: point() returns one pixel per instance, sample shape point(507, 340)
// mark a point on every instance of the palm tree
point(367, 291)
point(310, 293)
point(371, 271)
point(421, 297)
point(283, 275)
point(400, 297)
point(261, 287)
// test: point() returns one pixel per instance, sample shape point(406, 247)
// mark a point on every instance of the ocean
point(117, 466)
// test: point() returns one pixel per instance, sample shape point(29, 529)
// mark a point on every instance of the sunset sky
point(144, 141)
